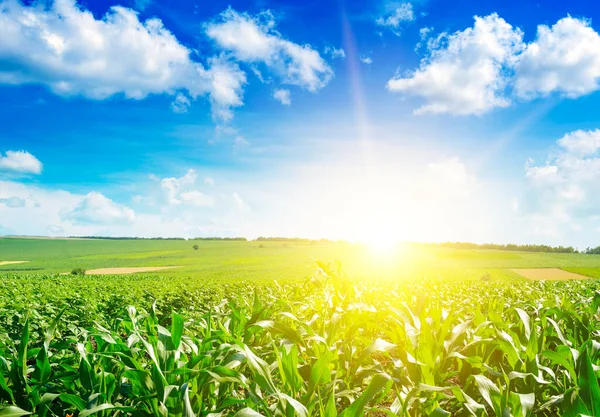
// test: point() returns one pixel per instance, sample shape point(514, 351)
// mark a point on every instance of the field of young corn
point(142, 346)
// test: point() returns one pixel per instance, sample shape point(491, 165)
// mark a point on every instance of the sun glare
point(383, 246)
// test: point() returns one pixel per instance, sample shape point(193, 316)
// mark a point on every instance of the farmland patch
point(127, 270)
point(548, 274)
point(2, 263)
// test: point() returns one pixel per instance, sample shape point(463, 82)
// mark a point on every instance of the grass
point(588, 272)
point(267, 260)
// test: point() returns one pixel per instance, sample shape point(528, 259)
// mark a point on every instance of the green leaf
point(320, 372)
point(46, 400)
point(357, 407)
point(438, 412)
point(73, 400)
point(13, 411)
point(299, 409)
point(177, 326)
point(378, 345)
point(248, 412)
point(22, 354)
point(187, 409)
point(490, 393)
point(588, 383)
point(102, 407)
point(572, 404)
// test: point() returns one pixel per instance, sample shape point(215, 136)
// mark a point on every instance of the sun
point(382, 245)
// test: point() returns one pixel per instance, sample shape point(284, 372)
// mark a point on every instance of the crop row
point(325, 347)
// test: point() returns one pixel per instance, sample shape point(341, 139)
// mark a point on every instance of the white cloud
point(283, 96)
point(226, 86)
point(240, 142)
point(253, 39)
point(564, 58)
point(488, 65)
point(197, 199)
point(20, 162)
point(366, 60)
point(55, 229)
point(61, 213)
point(334, 52)
point(452, 177)
point(464, 72)
point(13, 202)
point(565, 188)
point(67, 49)
point(181, 104)
point(581, 142)
point(173, 187)
point(94, 208)
point(183, 191)
point(396, 17)
point(424, 34)
point(240, 204)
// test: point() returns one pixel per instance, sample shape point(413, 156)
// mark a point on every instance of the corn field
point(329, 347)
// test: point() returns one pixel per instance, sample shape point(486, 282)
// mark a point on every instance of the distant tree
point(196, 247)
point(78, 271)
point(512, 247)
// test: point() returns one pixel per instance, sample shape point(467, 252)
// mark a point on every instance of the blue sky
point(422, 120)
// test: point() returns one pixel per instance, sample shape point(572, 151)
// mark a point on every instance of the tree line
point(512, 247)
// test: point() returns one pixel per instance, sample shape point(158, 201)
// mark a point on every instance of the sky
point(423, 120)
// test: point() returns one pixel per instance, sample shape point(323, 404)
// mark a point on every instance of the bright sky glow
point(368, 121)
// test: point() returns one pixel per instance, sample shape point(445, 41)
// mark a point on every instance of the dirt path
point(127, 270)
point(548, 274)
point(2, 263)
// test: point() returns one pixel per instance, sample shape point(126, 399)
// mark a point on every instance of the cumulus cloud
point(95, 208)
point(197, 199)
point(173, 187)
point(62, 213)
point(283, 96)
point(13, 202)
point(20, 162)
point(396, 17)
point(564, 58)
point(565, 187)
point(581, 142)
point(181, 104)
point(334, 52)
point(67, 49)
point(366, 60)
point(488, 66)
point(464, 71)
point(253, 39)
point(182, 191)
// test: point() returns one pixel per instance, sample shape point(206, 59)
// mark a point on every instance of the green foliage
point(78, 271)
point(329, 346)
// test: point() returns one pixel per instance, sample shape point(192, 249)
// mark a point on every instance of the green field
point(231, 260)
point(250, 329)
